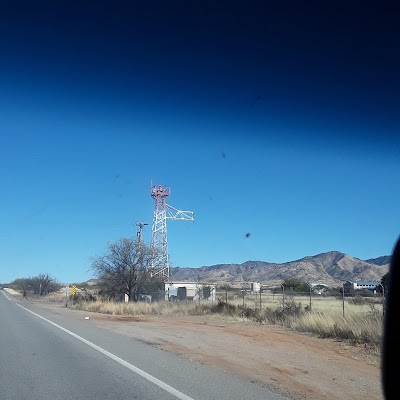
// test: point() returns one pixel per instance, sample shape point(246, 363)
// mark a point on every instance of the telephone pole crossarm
point(140, 226)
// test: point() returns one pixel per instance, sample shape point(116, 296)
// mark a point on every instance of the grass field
point(358, 320)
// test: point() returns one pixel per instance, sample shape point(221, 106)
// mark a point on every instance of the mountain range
point(332, 268)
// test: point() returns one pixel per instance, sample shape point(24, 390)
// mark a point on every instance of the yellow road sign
point(73, 290)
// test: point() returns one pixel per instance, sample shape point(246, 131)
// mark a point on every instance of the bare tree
point(21, 284)
point(43, 284)
point(124, 268)
point(40, 284)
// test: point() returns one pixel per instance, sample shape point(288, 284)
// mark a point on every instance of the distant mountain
point(383, 260)
point(331, 268)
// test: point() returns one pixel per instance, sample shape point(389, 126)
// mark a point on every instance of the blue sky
point(297, 146)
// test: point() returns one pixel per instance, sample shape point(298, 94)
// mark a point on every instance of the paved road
point(47, 356)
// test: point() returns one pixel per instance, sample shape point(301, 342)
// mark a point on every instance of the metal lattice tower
point(159, 240)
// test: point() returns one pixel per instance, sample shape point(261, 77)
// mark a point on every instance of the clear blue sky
point(288, 132)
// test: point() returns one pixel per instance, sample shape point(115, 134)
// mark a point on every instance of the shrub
point(82, 297)
point(224, 308)
point(359, 300)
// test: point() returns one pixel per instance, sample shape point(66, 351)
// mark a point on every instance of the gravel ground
point(295, 364)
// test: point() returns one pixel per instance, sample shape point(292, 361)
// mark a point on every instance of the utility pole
point(343, 298)
point(140, 226)
point(310, 287)
point(383, 299)
point(139, 235)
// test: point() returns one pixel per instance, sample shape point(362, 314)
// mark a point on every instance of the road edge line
point(119, 360)
point(2, 291)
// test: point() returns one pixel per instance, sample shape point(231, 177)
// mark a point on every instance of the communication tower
point(159, 240)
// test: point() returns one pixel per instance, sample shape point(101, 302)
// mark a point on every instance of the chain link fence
point(311, 301)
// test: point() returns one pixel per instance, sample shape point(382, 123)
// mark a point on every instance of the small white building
point(357, 285)
point(255, 287)
point(189, 291)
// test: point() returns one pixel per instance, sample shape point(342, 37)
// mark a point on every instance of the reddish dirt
point(297, 365)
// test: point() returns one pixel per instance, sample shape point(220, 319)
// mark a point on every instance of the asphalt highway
point(48, 356)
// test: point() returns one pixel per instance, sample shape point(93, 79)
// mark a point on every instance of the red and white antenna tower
point(159, 240)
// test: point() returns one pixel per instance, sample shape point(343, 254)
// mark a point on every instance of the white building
point(255, 287)
point(357, 285)
point(189, 291)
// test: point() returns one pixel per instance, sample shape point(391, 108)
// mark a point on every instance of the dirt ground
point(297, 365)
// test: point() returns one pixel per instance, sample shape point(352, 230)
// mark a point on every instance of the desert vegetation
point(359, 323)
point(354, 317)
point(41, 284)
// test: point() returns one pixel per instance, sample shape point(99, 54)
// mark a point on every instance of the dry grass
point(13, 292)
point(318, 304)
point(55, 297)
point(357, 326)
point(138, 309)
point(362, 323)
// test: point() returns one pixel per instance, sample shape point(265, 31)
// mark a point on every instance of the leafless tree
point(124, 268)
point(42, 284)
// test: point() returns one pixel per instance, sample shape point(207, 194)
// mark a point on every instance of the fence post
point(283, 296)
point(343, 298)
point(260, 299)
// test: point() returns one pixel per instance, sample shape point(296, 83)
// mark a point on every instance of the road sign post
point(73, 292)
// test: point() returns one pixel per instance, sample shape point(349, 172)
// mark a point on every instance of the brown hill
point(383, 260)
point(332, 268)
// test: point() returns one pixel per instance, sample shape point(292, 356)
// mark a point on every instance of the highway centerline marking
point(119, 360)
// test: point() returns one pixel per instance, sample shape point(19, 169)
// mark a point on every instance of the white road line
point(137, 370)
point(2, 291)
